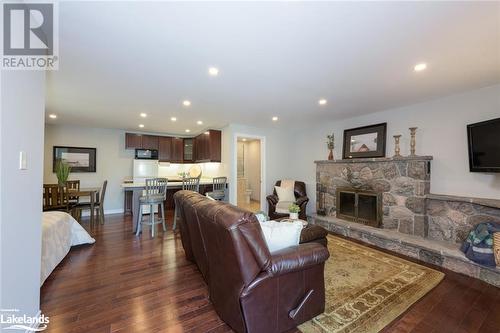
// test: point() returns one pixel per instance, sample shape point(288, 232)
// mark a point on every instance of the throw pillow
point(285, 194)
point(280, 235)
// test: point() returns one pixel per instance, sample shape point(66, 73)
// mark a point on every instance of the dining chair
point(55, 197)
point(189, 184)
point(219, 188)
point(73, 185)
point(98, 204)
point(154, 195)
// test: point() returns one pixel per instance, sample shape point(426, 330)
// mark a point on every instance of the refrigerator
point(144, 169)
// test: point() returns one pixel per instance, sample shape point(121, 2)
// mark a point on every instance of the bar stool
point(156, 194)
point(219, 189)
point(189, 184)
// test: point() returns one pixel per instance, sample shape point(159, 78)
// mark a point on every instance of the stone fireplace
point(394, 189)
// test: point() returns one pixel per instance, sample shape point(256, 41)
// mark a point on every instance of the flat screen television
point(484, 146)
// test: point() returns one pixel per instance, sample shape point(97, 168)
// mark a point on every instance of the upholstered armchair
point(301, 200)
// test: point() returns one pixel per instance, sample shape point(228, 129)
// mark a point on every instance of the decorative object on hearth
point(79, 159)
point(330, 143)
point(413, 142)
point(397, 150)
point(294, 211)
point(365, 142)
point(321, 201)
point(367, 289)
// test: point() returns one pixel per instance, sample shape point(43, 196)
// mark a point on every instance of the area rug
point(367, 289)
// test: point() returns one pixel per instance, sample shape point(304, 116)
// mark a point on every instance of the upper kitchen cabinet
point(133, 141)
point(177, 150)
point(150, 142)
point(188, 150)
point(165, 153)
point(141, 141)
point(207, 146)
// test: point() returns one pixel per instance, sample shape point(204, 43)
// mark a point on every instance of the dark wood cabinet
point(150, 142)
point(165, 149)
point(208, 146)
point(177, 150)
point(133, 141)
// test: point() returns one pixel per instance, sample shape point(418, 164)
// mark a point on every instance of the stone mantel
point(377, 160)
point(493, 203)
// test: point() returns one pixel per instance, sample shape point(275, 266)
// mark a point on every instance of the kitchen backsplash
point(210, 169)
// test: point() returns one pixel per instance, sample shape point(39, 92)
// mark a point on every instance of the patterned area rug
point(367, 289)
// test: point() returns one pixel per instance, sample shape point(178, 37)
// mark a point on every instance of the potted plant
point(62, 172)
point(330, 143)
point(294, 211)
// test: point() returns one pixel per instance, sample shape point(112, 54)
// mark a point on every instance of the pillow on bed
point(280, 235)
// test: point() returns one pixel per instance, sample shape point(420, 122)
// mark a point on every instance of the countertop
point(175, 182)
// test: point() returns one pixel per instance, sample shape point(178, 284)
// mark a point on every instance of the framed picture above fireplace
point(364, 142)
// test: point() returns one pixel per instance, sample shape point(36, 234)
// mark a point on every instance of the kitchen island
point(134, 190)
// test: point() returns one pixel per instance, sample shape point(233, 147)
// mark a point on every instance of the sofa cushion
point(282, 207)
point(280, 235)
point(285, 193)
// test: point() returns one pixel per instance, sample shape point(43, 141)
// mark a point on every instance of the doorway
point(249, 173)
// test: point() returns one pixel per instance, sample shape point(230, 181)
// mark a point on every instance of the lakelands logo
point(10, 319)
point(30, 36)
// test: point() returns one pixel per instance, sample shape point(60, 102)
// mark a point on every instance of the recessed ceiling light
point(214, 71)
point(420, 67)
point(199, 122)
point(186, 103)
point(275, 118)
point(173, 119)
point(243, 139)
point(322, 101)
point(143, 115)
point(53, 116)
point(141, 125)
point(188, 130)
point(207, 132)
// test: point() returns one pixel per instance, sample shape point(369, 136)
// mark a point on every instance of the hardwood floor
point(125, 283)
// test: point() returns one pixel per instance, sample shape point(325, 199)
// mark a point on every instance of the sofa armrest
point(297, 258)
point(272, 199)
point(302, 200)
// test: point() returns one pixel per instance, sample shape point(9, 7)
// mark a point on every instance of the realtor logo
point(29, 36)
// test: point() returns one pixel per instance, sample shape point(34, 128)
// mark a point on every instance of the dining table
point(92, 193)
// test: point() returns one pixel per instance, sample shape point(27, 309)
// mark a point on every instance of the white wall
point(21, 129)
point(277, 145)
point(114, 162)
point(441, 133)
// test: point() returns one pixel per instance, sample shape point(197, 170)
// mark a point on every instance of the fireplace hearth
point(363, 207)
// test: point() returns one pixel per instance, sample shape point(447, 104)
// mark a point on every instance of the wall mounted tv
point(484, 146)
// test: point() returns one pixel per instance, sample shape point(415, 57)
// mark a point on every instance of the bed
point(60, 231)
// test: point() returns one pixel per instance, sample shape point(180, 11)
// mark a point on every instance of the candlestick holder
point(413, 142)
point(397, 150)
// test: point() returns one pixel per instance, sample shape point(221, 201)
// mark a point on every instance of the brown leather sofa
point(251, 290)
point(300, 197)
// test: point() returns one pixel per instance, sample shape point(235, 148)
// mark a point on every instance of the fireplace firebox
point(359, 206)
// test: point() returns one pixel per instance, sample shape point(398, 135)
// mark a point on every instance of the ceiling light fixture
point(141, 125)
point(173, 119)
point(214, 71)
point(420, 67)
point(143, 115)
point(52, 116)
point(207, 132)
point(188, 130)
point(243, 139)
point(186, 103)
point(322, 101)
point(199, 122)
point(275, 118)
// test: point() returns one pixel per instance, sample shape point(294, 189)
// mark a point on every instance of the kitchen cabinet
point(177, 150)
point(165, 149)
point(208, 146)
point(133, 141)
point(150, 142)
point(188, 150)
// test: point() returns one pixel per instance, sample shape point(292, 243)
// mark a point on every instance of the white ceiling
point(118, 59)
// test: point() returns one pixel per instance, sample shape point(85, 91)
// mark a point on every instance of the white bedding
point(60, 231)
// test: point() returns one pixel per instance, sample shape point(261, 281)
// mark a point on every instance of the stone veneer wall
point(404, 183)
point(450, 218)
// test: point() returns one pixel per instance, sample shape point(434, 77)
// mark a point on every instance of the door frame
point(234, 169)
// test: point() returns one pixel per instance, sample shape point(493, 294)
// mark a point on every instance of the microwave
point(146, 154)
